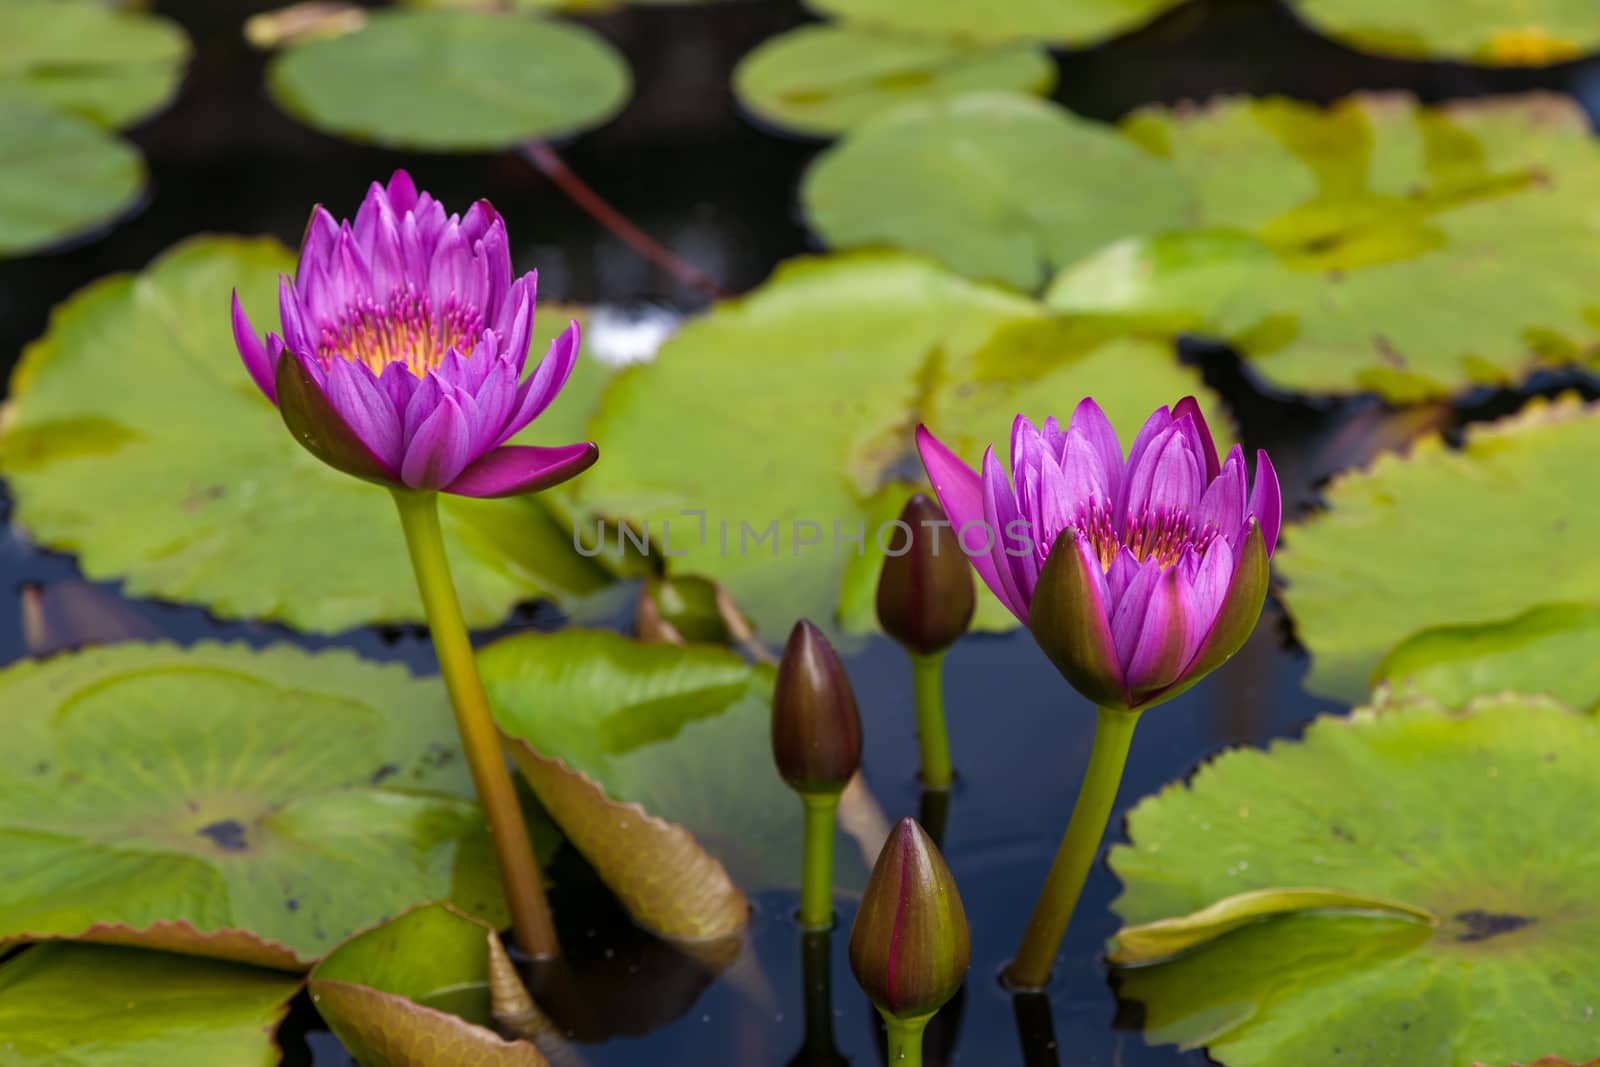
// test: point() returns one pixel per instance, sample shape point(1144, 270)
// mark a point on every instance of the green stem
point(1079, 845)
point(905, 1039)
point(927, 677)
point(480, 740)
point(816, 872)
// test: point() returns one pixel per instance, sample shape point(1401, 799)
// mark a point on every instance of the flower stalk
point(480, 740)
point(816, 871)
point(905, 1040)
point(927, 677)
point(1113, 733)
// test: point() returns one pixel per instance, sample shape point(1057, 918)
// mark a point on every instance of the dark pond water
point(684, 164)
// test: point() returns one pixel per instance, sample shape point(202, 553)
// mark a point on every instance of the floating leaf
point(414, 992)
point(1548, 649)
point(822, 79)
point(1444, 537)
point(135, 439)
point(59, 175)
point(914, 343)
point(456, 81)
point(93, 1006)
point(1376, 245)
point(112, 67)
point(228, 802)
point(1166, 938)
point(1000, 187)
point(1499, 33)
point(656, 761)
point(1078, 23)
point(1482, 818)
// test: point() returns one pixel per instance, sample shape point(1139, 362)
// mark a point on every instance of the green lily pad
point(1077, 23)
point(1548, 649)
point(684, 732)
point(414, 992)
point(1377, 245)
point(1000, 187)
point(1447, 538)
point(1483, 819)
point(823, 79)
point(59, 176)
point(93, 1006)
point(453, 81)
point(112, 67)
point(228, 802)
point(135, 439)
point(1497, 33)
point(777, 444)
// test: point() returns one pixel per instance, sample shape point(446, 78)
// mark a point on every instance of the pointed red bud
point(926, 595)
point(816, 729)
point(910, 946)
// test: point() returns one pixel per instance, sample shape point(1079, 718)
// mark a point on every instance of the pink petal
point(548, 378)
point(1158, 651)
point(296, 331)
point(262, 365)
point(1069, 619)
point(1090, 434)
point(513, 322)
point(1190, 407)
point(425, 400)
point(402, 193)
point(1209, 577)
point(1167, 477)
point(1223, 505)
point(1157, 425)
point(439, 452)
point(985, 538)
point(322, 234)
point(960, 493)
point(518, 469)
point(366, 408)
point(1266, 501)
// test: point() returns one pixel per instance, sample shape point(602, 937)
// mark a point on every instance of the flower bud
point(816, 730)
point(910, 947)
point(925, 591)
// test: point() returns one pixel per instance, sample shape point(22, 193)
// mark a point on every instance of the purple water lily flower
point(407, 338)
point(1137, 577)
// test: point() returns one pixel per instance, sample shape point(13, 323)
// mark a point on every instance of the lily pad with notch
point(220, 801)
point(1377, 245)
point(1478, 817)
point(134, 438)
point(1418, 534)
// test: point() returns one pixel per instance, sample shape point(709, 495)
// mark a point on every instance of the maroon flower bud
point(925, 591)
point(816, 730)
point(910, 946)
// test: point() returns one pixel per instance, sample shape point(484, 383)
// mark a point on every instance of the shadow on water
point(683, 164)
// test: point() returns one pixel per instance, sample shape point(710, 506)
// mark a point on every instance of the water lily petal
point(261, 364)
point(1167, 477)
point(1210, 576)
point(450, 272)
point(960, 493)
point(425, 399)
point(1094, 436)
point(296, 331)
point(1124, 567)
point(1157, 425)
point(514, 323)
point(320, 238)
point(1266, 501)
point(320, 429)
point(548, 378)
point(440, 450)
point(1070, 619)
point(1190, 407)
point(985, 538)
point(517, 469)
point(400, 384)
point(402, 193)
point(365, 406)
point(1160, 650)
point(1223, 505)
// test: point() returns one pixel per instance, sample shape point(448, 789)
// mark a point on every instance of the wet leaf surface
point(134, 438)
point(1377, 245)
point(1076, 24)
point(1000, 187)
point(60, 175)
point(914, 343)
point(823, 79)
point(83, 56)
point(226, 802)
point(96, 1006)
point(1496, 33)
point(1442, 537)
point(452, 80)
point(1480, 818)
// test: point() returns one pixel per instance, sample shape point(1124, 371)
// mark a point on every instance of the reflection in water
point(934, 813)
point(1035, 1029)
point(819, 1050)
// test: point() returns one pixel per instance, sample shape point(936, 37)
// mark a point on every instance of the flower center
point(1156, 535)
point(405, 329)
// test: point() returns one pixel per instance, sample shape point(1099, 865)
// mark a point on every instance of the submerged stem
point(905, 1039)
point(1079, 845)
point(816, 872)
point(927, 676)
point(480, 740)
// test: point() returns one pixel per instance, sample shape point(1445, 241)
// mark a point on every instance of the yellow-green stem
point(816, 872)
point(480, 740)
point(1079, 845)
point(927, 677)
point(905, 1039)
